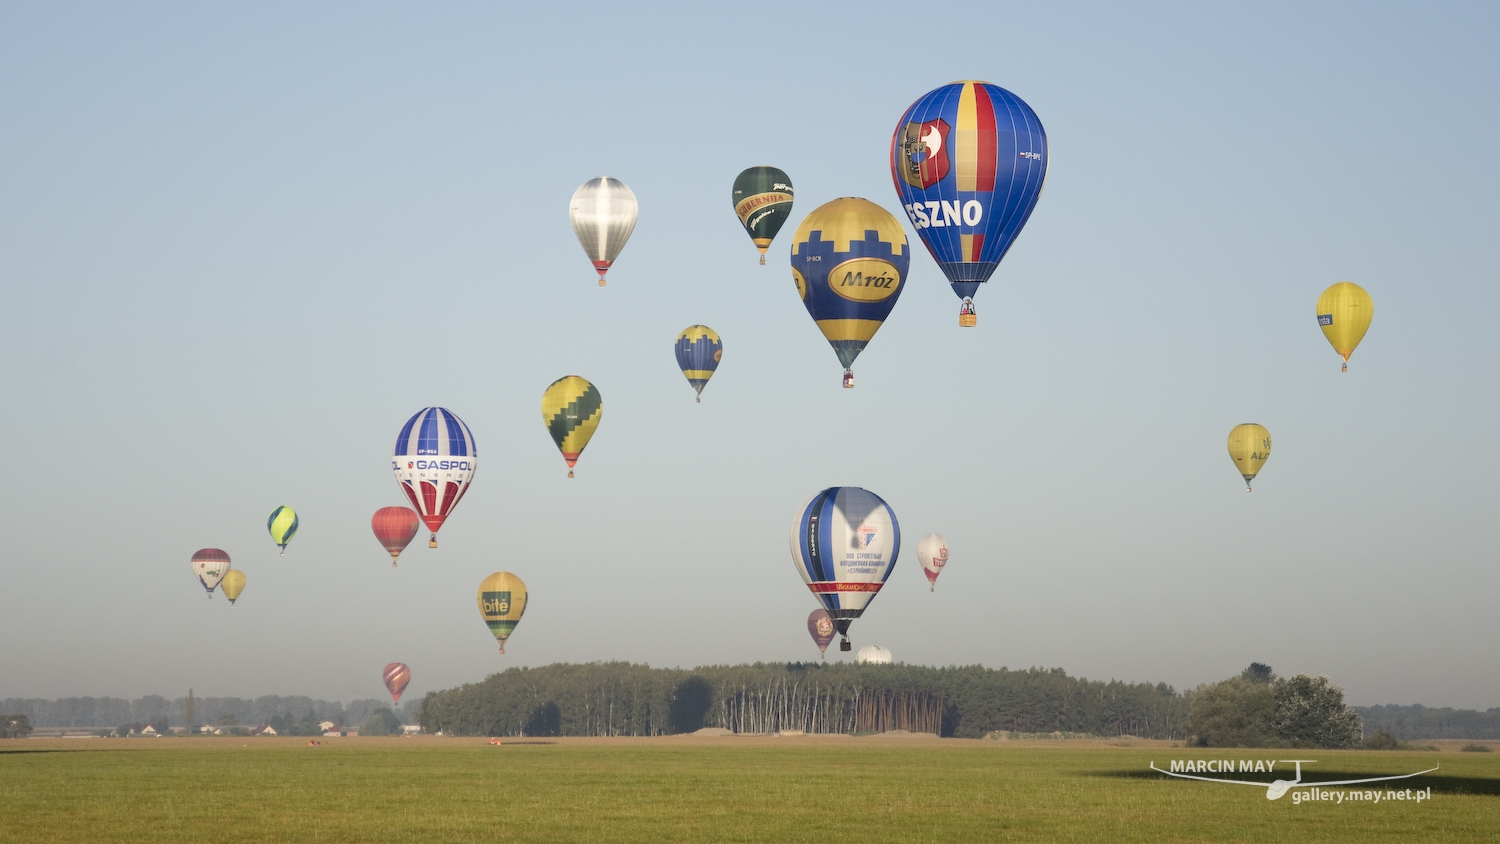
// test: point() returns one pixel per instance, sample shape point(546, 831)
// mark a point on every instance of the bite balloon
point(394, 528)
point(502, 601)
point(849, 261)
point(434, 463)
point(969, 161)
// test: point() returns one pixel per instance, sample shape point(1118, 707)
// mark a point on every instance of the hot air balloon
point(763, 202)
point(603, 212)
point(969, 160)
point(234, 584)
point(1344, 313)
point(932, 553)
point(283, 526)
point(209, 566)
point(502, 600)
point(394, 527)
point(1249, 448)
point(396, 676)
point(434, 464)
point(571, 410)
point(698, 351)
point(873, 655)
point(844, 544)
point(849, 259)
point(820, 628)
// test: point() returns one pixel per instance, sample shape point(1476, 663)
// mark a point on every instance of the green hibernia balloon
point(763, 202)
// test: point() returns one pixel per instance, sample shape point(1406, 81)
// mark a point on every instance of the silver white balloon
point(873, 655)
point(603, 213)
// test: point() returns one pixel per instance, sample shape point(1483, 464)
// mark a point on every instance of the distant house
point(335, 733)
point(327, 726)
point(410, 729)
point(148, 730)
point(263, 730)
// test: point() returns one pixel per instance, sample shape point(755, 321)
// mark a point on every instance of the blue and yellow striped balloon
point(698, 352)
point(849, 259)
point(283, 526)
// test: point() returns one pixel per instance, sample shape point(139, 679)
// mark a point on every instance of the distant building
point(336, 733)
point(326, 726)
point(148, 730)
point(410, 729)
point(263, 730)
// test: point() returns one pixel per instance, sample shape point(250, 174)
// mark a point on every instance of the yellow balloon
point(502, 600)
point(1249, 448)
point(1344, 313)
point(233, 584)
point(571, 410)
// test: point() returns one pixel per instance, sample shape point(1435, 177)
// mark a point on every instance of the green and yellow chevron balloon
point(571, 410)
point(283, 526)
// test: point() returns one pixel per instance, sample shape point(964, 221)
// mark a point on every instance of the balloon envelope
point(849, 261)
point(209, 566)
point(434, 462)
point(820, 628)
point(1249, 448)
point(603, 213)
point(394, 527)
point(283, 526)
point(932, 553)
point(233, 584)
point(844, 544)
point(571, 410)
point(1344, 314)
point(873, 655)
point(502, 601)
point(763, 202)
point(396, 676)
point(969, 160)
point(698, 351)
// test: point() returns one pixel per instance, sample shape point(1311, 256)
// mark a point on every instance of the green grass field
point(733, 789)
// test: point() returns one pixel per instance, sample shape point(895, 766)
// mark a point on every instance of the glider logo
point(866, 534)
point(924, 153)
point(1190, 768)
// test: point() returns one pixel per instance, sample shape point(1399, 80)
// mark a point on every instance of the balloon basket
point(845, 646)
point(848, 380)
point(431, 543)
point(1345, 369)
point(698, 399)
point(762, 260)
point(570, 473)
point(967, 320)
point(601, 281)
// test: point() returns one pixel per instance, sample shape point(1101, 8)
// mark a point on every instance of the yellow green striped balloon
point(571, 410)
point(502, 601)
point(283, 526)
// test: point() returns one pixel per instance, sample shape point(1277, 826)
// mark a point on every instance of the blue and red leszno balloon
point(969, 160)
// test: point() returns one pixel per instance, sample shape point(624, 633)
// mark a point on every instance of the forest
point(626, 699)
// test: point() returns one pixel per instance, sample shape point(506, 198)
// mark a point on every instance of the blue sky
point(241, 245)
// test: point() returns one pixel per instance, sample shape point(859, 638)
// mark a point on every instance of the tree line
point(626, 699)
point(276, 710)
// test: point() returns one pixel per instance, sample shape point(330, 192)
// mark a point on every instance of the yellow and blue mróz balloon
point(283, 526)
point(969, 160)
point(698, 351)
point(849, 259)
